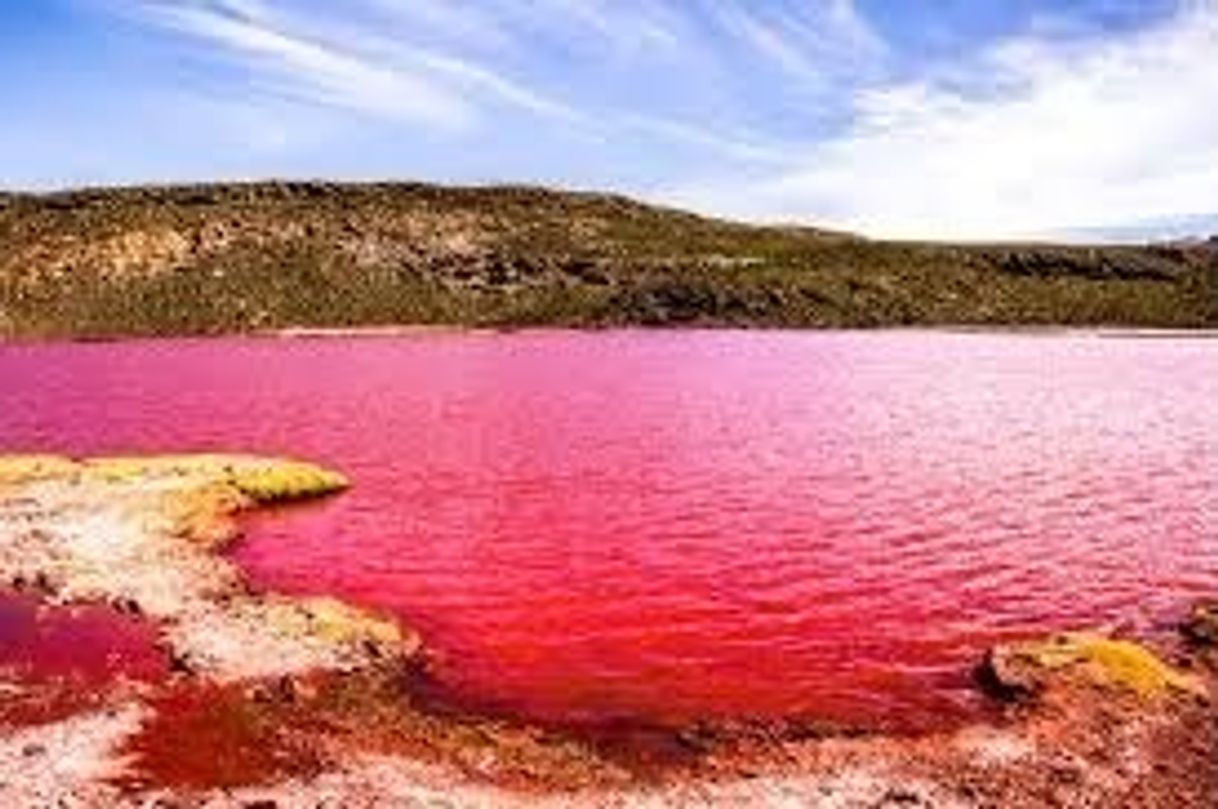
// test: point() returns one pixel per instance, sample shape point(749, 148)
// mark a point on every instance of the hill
point(240, 257)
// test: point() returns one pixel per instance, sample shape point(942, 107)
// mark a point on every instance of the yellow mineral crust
point(333, 620)
point(18, 469)
point(264, 480)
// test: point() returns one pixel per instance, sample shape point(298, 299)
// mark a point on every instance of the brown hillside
point(232, 258)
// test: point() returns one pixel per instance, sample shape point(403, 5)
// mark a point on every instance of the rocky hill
point(243, 257)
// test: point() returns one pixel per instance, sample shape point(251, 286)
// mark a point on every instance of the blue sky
point(938, 118)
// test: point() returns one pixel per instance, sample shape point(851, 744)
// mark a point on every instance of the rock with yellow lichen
point(1021, 670)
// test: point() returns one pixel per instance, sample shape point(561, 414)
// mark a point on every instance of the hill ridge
point(201, 258)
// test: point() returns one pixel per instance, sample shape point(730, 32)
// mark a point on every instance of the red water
point(660, 526)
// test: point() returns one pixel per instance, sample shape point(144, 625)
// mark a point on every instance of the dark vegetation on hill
point(232, 258)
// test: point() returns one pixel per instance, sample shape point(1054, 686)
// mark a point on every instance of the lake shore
point(388, 332)
point(422, 332)
point(301, 701)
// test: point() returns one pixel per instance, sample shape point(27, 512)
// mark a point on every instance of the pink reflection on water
point(669, 525)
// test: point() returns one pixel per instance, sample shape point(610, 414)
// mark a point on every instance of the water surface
point(663, 525)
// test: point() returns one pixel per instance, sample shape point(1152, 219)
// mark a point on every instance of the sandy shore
point(290, 702)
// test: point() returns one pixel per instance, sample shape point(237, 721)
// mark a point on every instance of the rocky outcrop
point(1117, 263)
point(1200, 628)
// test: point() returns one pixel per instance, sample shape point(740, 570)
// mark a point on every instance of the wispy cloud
point(357, 67)
point(629, 27)
point(471, 75)
point(1047, 135)
point(318, 71)
point(352, 64)
point(474, 26)
point(818, 42)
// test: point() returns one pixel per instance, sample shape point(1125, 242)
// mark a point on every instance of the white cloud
point(472, 75)
point(631, 28)
point(821, 43)
point(474, 26)
point(319, 71)
point(1036, 136)
point(354, 66)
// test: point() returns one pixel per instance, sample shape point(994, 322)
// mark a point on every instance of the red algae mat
point(670, 526)
point(80, 645)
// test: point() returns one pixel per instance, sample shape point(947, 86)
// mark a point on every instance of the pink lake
point(664, 526)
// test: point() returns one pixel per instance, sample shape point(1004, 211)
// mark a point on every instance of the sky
point(965, 119)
